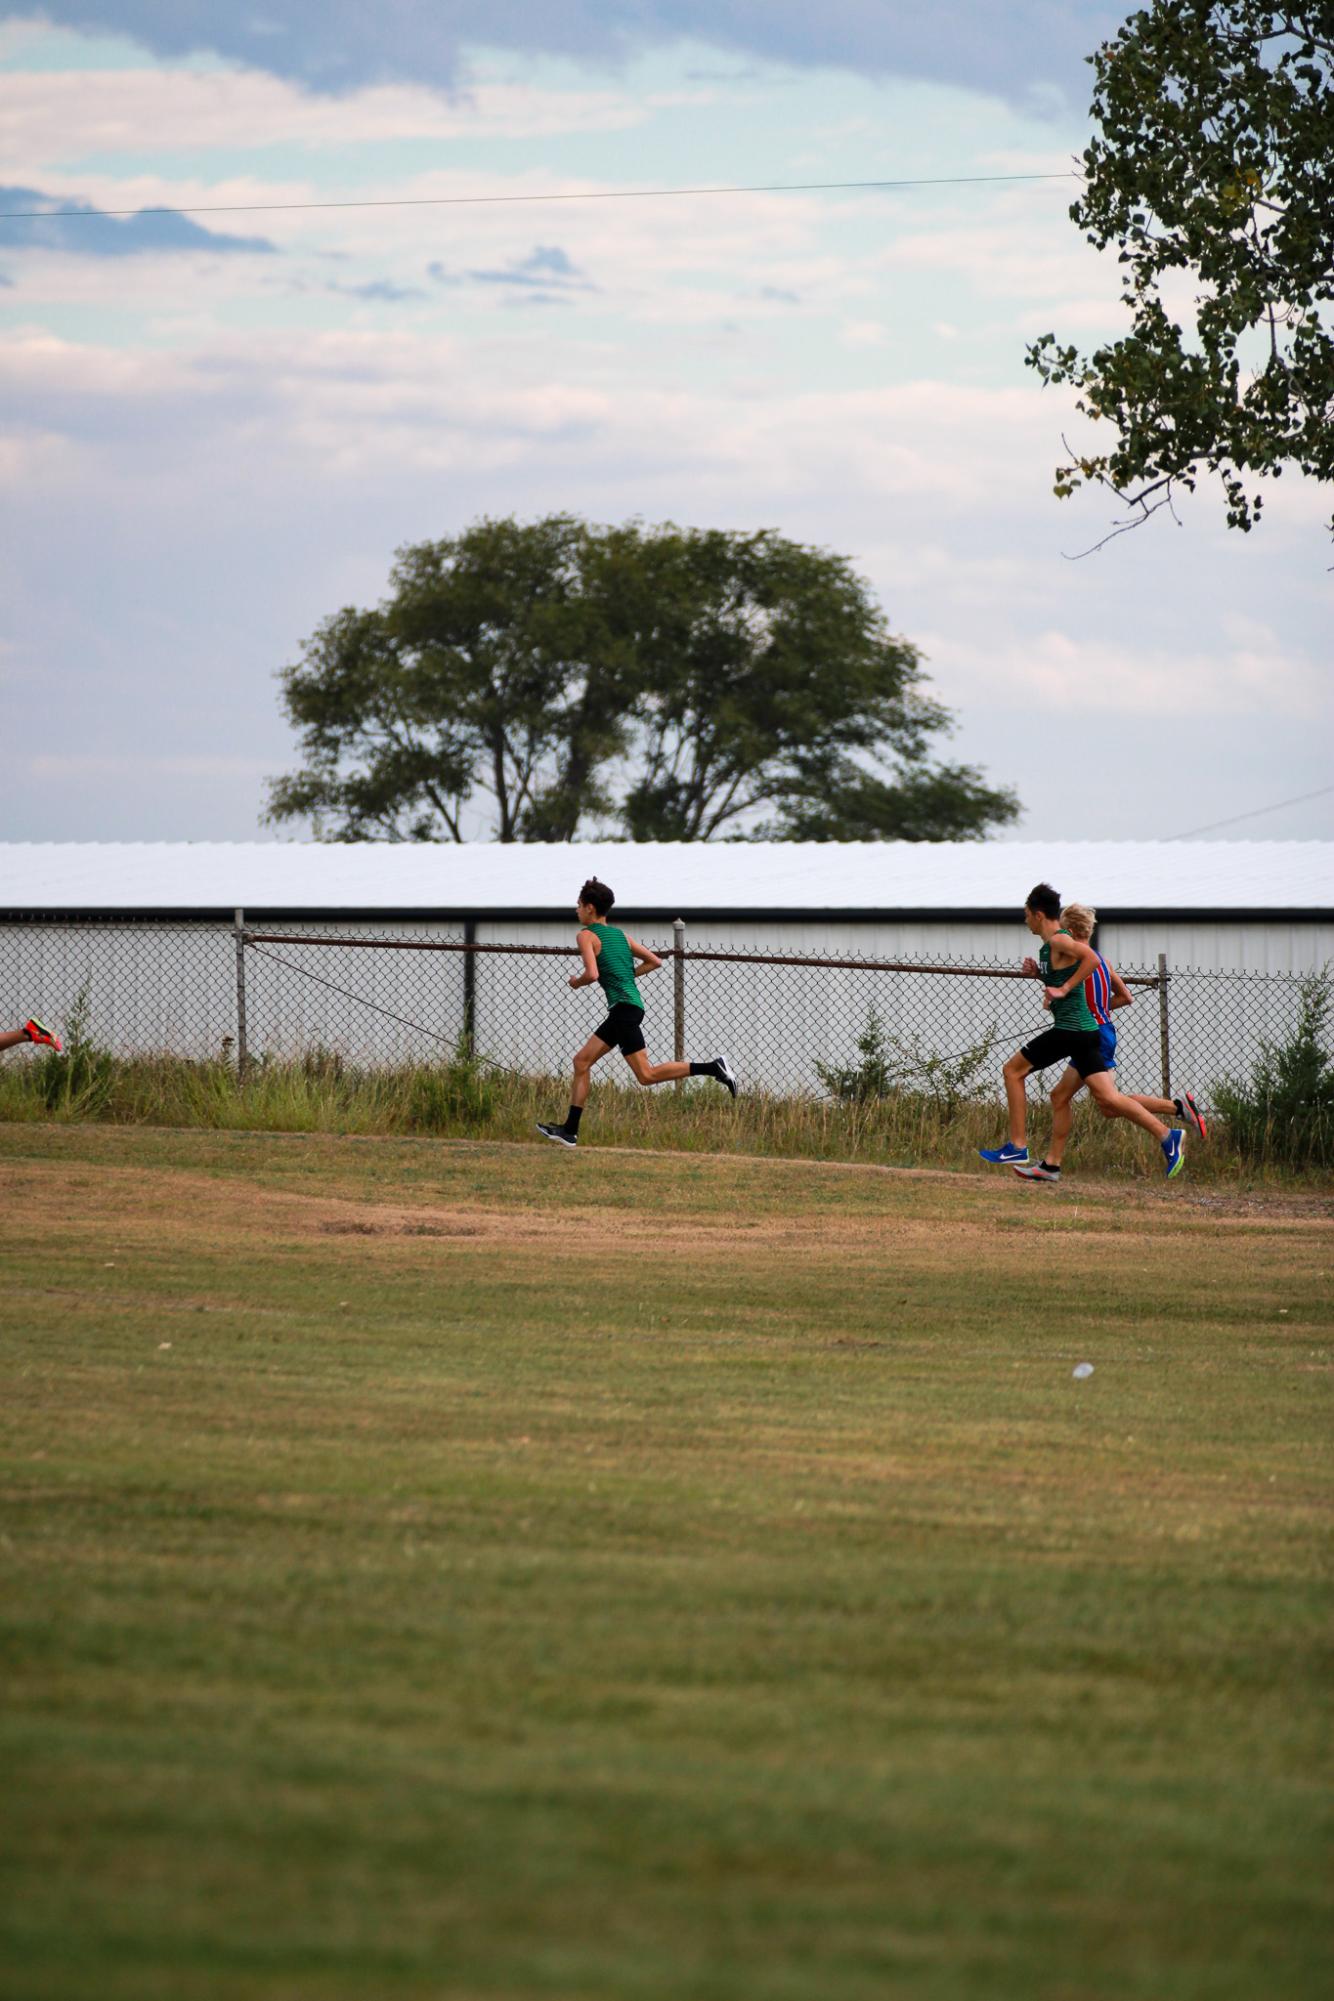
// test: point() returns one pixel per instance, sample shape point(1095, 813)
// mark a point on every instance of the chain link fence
point(376, 996)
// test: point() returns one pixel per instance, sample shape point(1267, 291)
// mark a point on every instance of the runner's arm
point(588, 951)
point(1074, 976)
point(648, 962)
point(1121, 994)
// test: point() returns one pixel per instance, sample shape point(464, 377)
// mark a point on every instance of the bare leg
point(1063, 1111)
point(1114, 1104)
point(655, 1073)
point(592, 1052)
point(11, 1037)
point(1062, 1115)
point(1014, 1074)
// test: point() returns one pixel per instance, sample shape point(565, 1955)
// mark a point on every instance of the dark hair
point(1044, 900)
point(601, 898)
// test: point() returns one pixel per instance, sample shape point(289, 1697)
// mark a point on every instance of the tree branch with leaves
point(1214, 159)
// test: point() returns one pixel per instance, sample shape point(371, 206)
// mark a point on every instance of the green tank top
point(616, 966)
point(1074, 1011)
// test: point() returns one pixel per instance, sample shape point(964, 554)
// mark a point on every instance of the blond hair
point(1079, 919)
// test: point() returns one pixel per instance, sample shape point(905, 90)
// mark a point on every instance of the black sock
point(572, 1118)
point(1052, 1166)
point(704, 1069)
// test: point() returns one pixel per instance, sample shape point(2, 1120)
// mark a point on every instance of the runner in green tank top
point(615, 963)
point(616, 966)
point(1068, 1010)
point(1063, 964)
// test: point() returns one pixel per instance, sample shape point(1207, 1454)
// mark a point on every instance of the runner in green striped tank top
point(1068, 1009)
point(616, 966)
point(616, 963)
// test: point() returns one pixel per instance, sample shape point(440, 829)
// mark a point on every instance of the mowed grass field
point(466, 1570)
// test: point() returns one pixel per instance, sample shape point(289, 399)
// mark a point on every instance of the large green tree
point(545, 680)
point(481, 686)
point(1213, 159)
point(772, 685)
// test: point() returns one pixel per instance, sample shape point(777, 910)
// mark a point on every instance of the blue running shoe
point(1174, 1152)
point(1008, 1155)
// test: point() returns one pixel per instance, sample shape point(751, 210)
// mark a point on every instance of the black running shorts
point(1082, 1047)
point(624, 1028)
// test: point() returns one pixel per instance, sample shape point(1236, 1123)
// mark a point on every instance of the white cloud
point(1003, 255)
point(1251, 673)
point(335, 384)
point(45, 115)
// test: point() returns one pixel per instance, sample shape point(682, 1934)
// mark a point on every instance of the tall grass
point(465, 1099)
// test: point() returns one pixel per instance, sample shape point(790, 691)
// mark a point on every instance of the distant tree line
point(551, 681)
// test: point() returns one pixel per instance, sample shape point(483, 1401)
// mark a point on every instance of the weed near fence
point(905, 1127)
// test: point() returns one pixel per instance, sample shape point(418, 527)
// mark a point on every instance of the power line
point(1257, 814)
point(472, 201)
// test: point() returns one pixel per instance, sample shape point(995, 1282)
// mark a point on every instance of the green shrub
point(890, 1067)
point(871, 1076)
point(1284, 1112)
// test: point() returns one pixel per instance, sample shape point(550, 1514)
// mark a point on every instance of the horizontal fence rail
point(380, 995)
point(674, 952)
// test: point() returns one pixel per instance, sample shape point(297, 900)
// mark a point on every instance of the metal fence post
point(1163, 1025)
point(242, 1057)
point(679, 995)
point(469, 988)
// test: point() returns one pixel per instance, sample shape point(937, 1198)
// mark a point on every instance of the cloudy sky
point(216, 430)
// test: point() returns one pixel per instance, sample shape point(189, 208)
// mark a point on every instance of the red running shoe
point(37, 1031)
point(1188, 1109)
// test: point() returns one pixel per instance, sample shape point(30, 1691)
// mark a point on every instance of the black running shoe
point(725, 1074)
point(560, 1134)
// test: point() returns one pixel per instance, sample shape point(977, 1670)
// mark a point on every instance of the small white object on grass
point(1082, 1371)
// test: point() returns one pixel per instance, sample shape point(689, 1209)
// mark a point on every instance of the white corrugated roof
point(663, 876)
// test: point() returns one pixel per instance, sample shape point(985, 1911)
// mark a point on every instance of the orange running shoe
point(37, 1031)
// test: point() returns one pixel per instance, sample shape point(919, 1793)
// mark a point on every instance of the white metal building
point(1239, 906)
